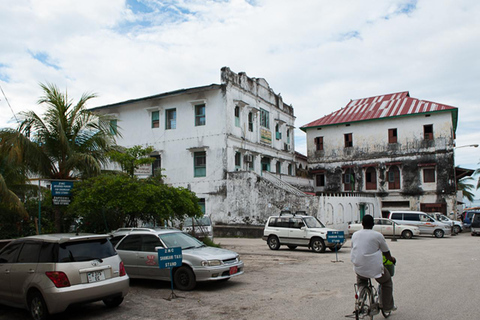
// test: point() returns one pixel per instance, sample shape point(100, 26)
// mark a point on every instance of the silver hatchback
point(138, 249)
point(47, 273)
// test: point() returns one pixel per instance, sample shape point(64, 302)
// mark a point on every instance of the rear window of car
point(85, 250)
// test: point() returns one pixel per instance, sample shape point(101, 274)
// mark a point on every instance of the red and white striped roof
point(384, 106)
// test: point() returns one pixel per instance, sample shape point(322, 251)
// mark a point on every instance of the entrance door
point(362, 211)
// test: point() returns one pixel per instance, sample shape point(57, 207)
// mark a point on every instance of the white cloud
point(318, 54)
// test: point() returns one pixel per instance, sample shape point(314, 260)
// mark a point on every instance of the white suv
point(295, 230)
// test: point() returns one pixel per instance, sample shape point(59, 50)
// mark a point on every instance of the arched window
point(349, 180)
point(393, 177)
point(371, 178)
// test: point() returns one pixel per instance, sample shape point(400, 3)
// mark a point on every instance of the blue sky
point(318, 54)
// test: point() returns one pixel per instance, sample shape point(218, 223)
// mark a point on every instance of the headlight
point(211, 263)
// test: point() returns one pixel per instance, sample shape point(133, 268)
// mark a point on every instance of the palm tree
point(465, 185)
point(67, 142)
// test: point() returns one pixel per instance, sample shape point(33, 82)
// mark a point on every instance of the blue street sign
point(169, 257)
point(335, 236)
point(62, 188)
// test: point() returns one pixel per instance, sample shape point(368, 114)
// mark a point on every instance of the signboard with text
point(61, 192)
point(169, 257)
point(335, 236)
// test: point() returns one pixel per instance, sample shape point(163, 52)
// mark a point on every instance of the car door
point(427, 223)
point(378, 226)
point(296, 234)
point(387, 227)
point(24, 270)
point(128, 249)
point(7, 258)
point(148, 258)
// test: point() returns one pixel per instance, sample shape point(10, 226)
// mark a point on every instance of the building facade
point(394, 146)
point(202, 134)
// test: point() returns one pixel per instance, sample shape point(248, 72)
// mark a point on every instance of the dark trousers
point(386, 289)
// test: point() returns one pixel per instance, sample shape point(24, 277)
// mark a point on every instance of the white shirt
point(366, 253)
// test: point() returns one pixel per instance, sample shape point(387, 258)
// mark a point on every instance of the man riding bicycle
point(368, 247)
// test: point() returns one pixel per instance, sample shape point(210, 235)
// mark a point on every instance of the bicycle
point(367, 302)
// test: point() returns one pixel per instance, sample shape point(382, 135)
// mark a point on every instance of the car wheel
point(273, 243)
point(407, 234)
point(184, 279)
point(457, 229)
point(292, 247)
point(317, 245)
point(37, 306)
point(438, 233)
point(113, 302)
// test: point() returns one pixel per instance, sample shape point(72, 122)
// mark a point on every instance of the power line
point(9, 104)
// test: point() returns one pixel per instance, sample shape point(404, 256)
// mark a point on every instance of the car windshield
point(313, 222)
point(203, 221)
point(180, 239)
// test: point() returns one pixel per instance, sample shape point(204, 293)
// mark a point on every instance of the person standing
point(368, 248)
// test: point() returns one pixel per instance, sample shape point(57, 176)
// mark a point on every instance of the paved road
point(435, 279)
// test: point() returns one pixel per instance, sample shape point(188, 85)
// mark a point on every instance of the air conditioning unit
point(248, 158)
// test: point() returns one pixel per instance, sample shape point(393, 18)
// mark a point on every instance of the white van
point(426, 223)
point(199, 227)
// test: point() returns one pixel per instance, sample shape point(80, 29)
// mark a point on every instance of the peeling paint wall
point(251, 199)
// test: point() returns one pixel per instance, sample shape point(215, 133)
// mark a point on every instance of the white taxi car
point(385, 227)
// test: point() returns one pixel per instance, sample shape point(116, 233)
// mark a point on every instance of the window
point(201, 203)
point(348, 140)
point(156, 166)
point(290, 173)
point(200, 164)
point(237, 116)
point(429, 175)
point(318, 143)
point(9, 255)
point(149, 242)
point(29, 253)
point(392, 135)
point(238, 160)
point(428, 132)
point(171, 119)
point(320, 180)
point(393, 178)
point(279, 167)
point(155, 119)
point(264, 118)
point(288, 136)
point(278, 134)
point(371, 178)
point(349, 180)
point(200, 115)
point(113, 126)
point(131, 243)
point(250, 122)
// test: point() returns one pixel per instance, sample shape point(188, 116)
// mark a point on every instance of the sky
point(319, 54)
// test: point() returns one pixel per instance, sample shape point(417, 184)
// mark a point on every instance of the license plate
point(233, 270)
point(95, 276)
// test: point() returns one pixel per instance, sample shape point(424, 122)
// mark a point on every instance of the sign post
point(336, 237)
point(169, 258)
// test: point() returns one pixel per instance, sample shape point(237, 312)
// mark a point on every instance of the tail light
point(122, 270)
point(59, 279)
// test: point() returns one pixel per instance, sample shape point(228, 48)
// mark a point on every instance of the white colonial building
point(394, 146)
point(203, 135)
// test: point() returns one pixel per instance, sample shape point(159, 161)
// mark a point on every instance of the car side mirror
point(303, 228)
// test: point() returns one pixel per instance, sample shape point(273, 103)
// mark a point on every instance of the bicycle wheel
point(365, 302)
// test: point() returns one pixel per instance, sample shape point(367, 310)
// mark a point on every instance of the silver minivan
point(47, 273)
point(426, 223)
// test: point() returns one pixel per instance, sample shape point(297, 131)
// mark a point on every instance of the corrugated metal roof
point(378, 107)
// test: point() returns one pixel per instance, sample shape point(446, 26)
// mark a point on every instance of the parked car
point(456, 226)
point(47, 273)
point(295, 230)
point(467, 216)
point(198, 227)
point(475, 226)
point(385, 227)
point(138, 249)
point(427, 224)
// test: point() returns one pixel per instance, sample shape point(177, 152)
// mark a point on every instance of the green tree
point(111, 201)
point(66, 142)
point(466, 186)
point(131, 159)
